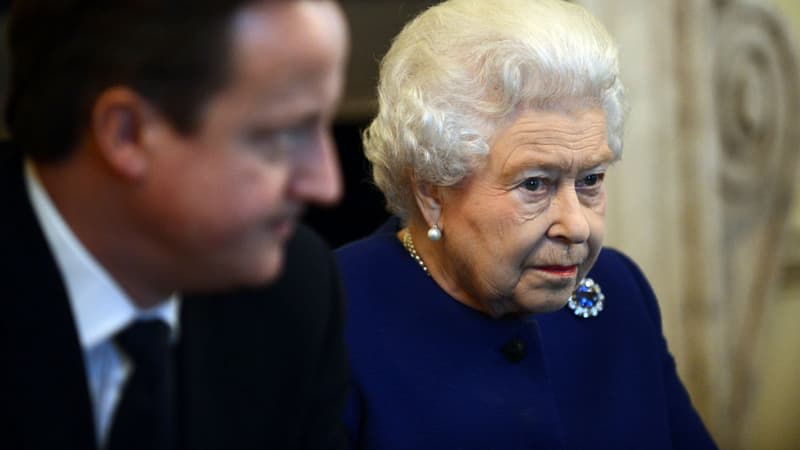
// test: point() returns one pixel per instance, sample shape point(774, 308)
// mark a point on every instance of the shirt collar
point(99, 305)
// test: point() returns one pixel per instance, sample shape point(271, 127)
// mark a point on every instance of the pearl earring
point(434, 233)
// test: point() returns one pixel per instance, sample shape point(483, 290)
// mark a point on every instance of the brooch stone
point(587, 300)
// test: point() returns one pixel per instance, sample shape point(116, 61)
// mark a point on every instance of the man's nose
point(317, 178)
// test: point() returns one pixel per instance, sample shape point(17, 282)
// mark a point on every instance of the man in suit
point(156, 290)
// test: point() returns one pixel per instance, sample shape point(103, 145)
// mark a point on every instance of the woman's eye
point(592, 180)
point(532, 184)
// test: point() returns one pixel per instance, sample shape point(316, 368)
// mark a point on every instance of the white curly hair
point(463, 69)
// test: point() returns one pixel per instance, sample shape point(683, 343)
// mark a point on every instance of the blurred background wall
point(773, 421)
point(705, 199)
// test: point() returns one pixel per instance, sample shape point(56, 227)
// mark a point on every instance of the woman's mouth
point(560, 271)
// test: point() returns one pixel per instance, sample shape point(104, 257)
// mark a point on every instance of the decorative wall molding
point(757, 96)
point(725, 84)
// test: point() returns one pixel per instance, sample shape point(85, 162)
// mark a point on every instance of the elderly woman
point(487, 315)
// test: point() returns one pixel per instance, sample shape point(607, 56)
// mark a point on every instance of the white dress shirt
point(99, 306)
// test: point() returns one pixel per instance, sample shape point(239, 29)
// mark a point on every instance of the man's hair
point(64, 53)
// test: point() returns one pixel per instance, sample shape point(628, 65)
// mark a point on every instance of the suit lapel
point(222, 385)
point(47, 388)
point(196, 389)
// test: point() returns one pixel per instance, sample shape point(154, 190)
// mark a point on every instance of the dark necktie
point(144, 417)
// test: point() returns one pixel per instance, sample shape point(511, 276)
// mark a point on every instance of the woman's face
point(525, 227)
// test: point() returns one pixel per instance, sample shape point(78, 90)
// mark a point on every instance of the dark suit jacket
point(262, 368)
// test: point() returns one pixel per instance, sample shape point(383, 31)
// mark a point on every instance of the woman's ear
point(119, 116)
point(428, 197)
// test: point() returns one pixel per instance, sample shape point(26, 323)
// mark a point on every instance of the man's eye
point(533, 184)
point(278, 143)
point(259, 136)
point(291, 138)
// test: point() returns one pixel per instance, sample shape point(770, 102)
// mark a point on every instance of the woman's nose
point(569, 222)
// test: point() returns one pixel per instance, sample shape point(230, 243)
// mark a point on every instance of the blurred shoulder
point(310, 265)
point(306, 242)
point(11, 165)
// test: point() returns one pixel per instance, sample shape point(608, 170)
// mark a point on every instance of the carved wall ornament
point(757, 99)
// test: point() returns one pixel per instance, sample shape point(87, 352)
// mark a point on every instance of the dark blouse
point(431, 373)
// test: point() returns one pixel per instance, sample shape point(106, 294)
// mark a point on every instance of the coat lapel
point(47, 397)
point(223, 384)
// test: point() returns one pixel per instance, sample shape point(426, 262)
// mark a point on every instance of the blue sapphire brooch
point(587, 299)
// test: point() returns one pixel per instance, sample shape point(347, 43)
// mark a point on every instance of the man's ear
point(428, 197)
point(119, 117)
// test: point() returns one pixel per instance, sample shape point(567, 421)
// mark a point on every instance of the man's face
point(524, 228)
point(220, 204)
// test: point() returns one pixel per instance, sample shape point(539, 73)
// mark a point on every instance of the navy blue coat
point(431, 373)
